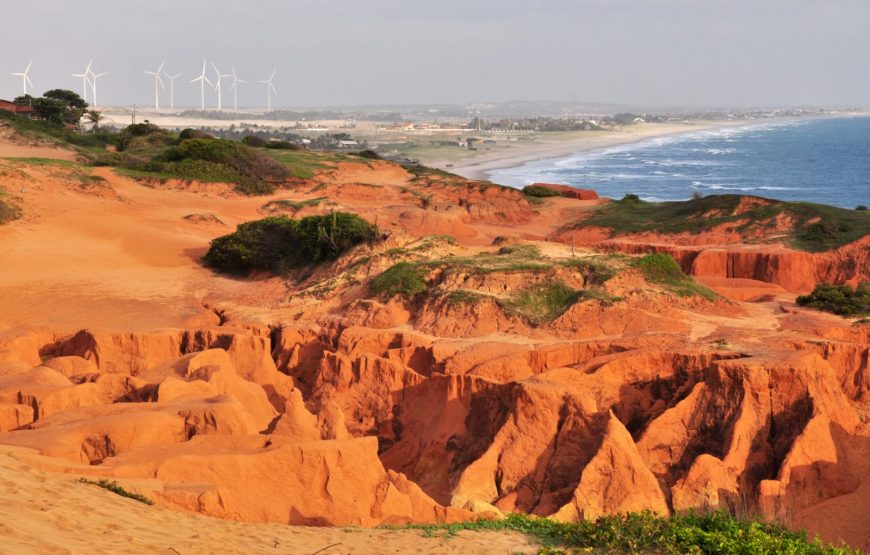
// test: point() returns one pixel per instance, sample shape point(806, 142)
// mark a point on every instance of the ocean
point(825, 160)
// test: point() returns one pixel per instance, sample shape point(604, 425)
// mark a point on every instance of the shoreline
point(481, 167)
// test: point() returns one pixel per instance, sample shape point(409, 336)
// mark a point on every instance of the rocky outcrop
point(568, 191)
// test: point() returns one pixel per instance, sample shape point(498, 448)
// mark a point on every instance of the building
point(25, 111)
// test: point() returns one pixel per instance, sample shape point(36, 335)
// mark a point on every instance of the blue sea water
point(825, 160)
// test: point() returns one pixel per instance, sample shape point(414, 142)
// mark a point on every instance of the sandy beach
point(478, 167)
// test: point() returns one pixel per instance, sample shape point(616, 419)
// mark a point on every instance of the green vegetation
point(815, 227)
point(115, 488)
point(368, 153)
point(539, 192)
point(42, 162)
point(278, 244)
point(839, 299)
point(663, 270)
point(219, 159)
point(293, 205)
point(303, 164)
point(464, 297)
point(403, 278)
point(543, 303)
point(711, 534)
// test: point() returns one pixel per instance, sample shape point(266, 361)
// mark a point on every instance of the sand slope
point(44, 512)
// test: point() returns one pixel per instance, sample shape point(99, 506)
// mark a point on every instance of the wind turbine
point(25, 79)
point(235, 87)
point(202, 81)
point(157, 82)
point(85, 75)
point(94, 86)
point(172, 79)
point(217, 85)
point(270, 88)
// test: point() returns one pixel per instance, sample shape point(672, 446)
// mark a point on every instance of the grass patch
point(815, 227)
point(594, 271)
point(115, 488)
point(404, 278)
point(543, 303)
point(663, 270)
point(464, 297)
point(303, 164)
point(712, 534)
point(42, 161)
point(537, 191)
point(278, 244)
point(839, 299)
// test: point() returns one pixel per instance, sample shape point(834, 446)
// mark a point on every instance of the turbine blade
point(28, 80)
point(28, 66)
point(274, 90)
point(206, 80)
point(163, 63)
point(274, 71)
point(159, 80)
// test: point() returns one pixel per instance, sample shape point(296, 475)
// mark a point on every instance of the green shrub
point(536, 191)
point(861, 207)
point(403, 278)
point(278, 244)
point(115, 488)
point(543, 303)
point(714, 533)
point(368, 153)
point(281, 145)
point(254, 141)
point(253, 171)
point(663, 270)
point(839, 299)
point(190, 133)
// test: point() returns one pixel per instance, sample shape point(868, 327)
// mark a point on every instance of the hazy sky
point(342, 52)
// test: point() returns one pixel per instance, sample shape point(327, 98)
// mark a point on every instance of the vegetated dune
point(559, 378)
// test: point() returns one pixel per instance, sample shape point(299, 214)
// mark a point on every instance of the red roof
point(12, 107)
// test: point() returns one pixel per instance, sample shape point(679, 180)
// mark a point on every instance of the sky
point(641, 53)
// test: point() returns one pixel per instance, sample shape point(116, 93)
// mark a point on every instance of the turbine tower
point(270, 88)
point(86, 80)
point(172, 79)
point(235, 87)
point(25, 79)
point(94, 77)
point(217, 85)
point(158, 82)
point(202, 81)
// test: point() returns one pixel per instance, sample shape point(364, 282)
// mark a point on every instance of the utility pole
point(134, 115)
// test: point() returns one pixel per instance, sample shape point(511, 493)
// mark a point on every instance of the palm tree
point(95, 118)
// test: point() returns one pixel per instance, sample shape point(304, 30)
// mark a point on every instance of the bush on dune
point(278, 244)
point(839, 299)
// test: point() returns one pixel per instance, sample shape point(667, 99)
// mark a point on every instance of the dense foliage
point(814, 227)
point(712, 534)
point(543, 303)
point(839, 299)
point(278, 244)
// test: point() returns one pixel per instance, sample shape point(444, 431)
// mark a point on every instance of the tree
point(94, 117)
point(24, 100)
point(51, 110)
point(72, 106)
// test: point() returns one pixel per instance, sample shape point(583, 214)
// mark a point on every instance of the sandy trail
point(44, 512)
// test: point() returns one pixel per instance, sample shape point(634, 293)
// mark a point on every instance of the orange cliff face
point(310, 400)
